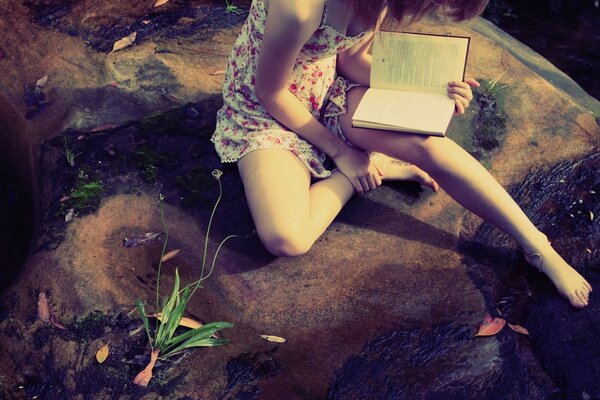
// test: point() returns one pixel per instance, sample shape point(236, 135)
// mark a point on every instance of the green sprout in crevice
point(85, 196)
point(489, 125)
point(163, 339)
point(148, 160)
point(69, 152)
point(231, 8)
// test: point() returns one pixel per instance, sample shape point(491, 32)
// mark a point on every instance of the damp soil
point(164, 153)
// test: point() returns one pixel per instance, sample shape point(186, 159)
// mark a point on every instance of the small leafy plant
point(492, 87)
point(69, 153)
point(164, 341)
point(231, 8)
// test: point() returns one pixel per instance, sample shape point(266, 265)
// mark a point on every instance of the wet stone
point(562, 201)
point(445, 362)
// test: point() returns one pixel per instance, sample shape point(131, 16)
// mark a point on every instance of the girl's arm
point(289, 25)
point(355, 63)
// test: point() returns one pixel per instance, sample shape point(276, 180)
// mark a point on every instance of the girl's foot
point(568, 281)
point(393, 169)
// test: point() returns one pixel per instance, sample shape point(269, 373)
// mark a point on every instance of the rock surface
point(384, 306)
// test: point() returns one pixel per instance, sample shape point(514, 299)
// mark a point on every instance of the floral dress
point(243, 125)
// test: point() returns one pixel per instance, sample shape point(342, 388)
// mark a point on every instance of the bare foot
point(568, 281)
point(393, 169)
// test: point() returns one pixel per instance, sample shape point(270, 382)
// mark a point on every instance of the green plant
point(231, 8)
point(69, 152)
point(164, 342)
point(148, 160)
point(492, 87)
point(85, 196)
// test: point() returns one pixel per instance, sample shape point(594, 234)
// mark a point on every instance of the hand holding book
point(461, 93)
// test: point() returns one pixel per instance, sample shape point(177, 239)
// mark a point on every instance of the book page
point(417, 62)
point(410, 111)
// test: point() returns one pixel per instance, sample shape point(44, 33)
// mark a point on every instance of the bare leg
point(471, 185)
point(289, 213)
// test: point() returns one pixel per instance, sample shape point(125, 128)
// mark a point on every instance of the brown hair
point(407, 11)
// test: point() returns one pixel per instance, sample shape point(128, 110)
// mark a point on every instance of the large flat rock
point(386, 303)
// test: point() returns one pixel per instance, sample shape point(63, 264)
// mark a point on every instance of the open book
point(409, 82)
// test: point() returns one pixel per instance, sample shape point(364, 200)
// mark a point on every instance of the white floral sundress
point(243, 125)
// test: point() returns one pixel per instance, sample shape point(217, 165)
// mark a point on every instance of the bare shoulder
point(304, 15)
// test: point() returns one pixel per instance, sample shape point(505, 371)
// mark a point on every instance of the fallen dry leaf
point(103, 127)
point(518, 329)
point(185, 321)
point(43, 309)
point(124, 42)
point(64, 198)
point(271, 338)
point(56, 323)
point(169, 255)
point(145, 21)
point(143, 378)
point(160, 3)
point(102, 353)
point(147, 238)
point(490, 326)
point(42, 81)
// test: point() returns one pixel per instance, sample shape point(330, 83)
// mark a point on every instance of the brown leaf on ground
point(169, 255)
point(56, 323)
point(103, 127)
point(158, 3)
point(185, 321)
point(519, 329)
point(143, 378)
point(43, 309)
point(102, 354)
point(490, 326)
point(124, 42)
point(271, 338)
point(143, 240)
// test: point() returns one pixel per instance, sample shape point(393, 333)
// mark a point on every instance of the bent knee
point(427, 150)
point(285, 243)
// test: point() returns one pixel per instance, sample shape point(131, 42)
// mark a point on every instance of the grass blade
point(142, 310)
point(196, 336)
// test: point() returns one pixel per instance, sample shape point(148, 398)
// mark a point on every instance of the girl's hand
point(461, 93)
point(358, 168)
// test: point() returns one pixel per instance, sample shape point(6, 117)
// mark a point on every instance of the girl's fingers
point(371, 181)
point(364, 184)
point(472, 82)
point(462, 91)
point(461, 103)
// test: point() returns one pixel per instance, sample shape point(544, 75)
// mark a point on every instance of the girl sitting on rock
point(295, 77)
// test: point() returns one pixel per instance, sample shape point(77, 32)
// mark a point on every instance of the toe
point(581, 296)
point(428, 181)
point(576, 302)
point(588, 286)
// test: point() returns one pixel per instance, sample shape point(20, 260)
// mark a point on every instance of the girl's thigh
point(403, 145)
point(277, 190)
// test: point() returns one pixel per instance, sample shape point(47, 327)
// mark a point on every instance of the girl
point(295, 76)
